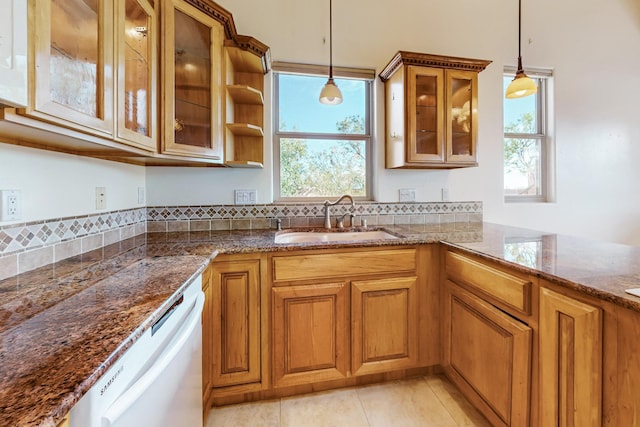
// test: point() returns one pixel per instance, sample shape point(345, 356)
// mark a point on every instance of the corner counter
point(63, 325)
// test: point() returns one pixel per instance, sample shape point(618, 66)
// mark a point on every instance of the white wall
point(592, 46)
point(55, 185)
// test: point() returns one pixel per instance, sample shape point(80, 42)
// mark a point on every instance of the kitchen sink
point(332, 236)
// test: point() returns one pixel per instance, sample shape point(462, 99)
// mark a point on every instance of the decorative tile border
point(27, 246)
point(31, 245)
point(236, 217)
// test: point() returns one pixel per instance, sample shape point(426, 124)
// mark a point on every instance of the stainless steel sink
point(332, 236)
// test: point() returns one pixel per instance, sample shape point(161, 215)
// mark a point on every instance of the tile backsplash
point(27, 246)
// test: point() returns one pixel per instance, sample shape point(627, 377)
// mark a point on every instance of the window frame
point(544, 107)
point(365, 75)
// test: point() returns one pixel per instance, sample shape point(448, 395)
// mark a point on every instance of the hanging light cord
point(330, 40)
point(520, 69)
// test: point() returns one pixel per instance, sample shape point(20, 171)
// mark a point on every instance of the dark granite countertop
point(63, 325)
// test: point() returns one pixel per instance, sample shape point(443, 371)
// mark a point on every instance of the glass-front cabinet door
point(136, 35)
point(461, 115)
point(13, 53)
point(193, 43)
point(425, 115)
point(73, 67)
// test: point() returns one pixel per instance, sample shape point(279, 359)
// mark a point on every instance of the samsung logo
point(111, 380)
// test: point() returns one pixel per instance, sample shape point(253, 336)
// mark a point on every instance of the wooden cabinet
point(236, 322)
point(489, 337)
point(487, 354)
point(73, 63)
point(65, 422)
point(13, 53)
point(346, 313)
point(192, 80)
point(570, 361)
point(244, 106)
point(310, 333)
point(136, 38)
point(431, 110)
point(384, 322)
point(92, 78)
point(207, 336)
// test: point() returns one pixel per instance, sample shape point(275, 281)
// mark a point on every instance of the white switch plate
point(141, 195)
point(407, 194)
point(245, 197)
point(10, 205)
point(445, 194)
point(101, 197)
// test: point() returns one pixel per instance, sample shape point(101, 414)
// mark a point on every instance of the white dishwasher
point(157, 382)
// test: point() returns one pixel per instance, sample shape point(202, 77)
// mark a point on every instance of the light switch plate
point(245, 197)
point(407, 194)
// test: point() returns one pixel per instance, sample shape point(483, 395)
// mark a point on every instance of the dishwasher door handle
point(131, 395)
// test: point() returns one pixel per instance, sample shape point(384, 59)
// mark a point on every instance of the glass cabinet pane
point(137, 69)
point(427, 115)
point(461, 125)
point(75, 67)
point(192, 121)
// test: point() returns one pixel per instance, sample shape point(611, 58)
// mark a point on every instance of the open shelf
point(247, 164)
point(243, 94)
point(245, 129)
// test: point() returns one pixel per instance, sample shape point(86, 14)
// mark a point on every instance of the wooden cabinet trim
point(570, 361)
point(513, 291)
point(343, 264)
point(236, 322)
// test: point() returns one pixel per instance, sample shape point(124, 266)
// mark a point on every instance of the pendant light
point(330, 94)
point(521, 85)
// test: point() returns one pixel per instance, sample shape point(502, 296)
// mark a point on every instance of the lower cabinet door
point(487, 354)
point(570, 361)
point(310, 333)
point(236, 322)
point(384, 319)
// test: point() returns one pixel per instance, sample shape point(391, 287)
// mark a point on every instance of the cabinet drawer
point(509, 289)
point(323, 266)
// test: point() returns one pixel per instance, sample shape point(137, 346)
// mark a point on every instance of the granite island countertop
point(63, 325)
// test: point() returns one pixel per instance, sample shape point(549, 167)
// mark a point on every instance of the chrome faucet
point(327, 211)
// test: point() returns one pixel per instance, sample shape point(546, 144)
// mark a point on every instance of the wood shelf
point(243, 94)
point(245, 129)
point(247, 164)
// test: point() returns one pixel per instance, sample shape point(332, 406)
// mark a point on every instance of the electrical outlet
point(445, 194)
point(141, 195)
point(10, 205)
point(407, 194)
point(101, 197)
point(245, 197)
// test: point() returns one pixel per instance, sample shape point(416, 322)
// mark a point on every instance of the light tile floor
point(427, 401)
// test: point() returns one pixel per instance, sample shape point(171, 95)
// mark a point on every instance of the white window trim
point(544, 133)
point(319, 70)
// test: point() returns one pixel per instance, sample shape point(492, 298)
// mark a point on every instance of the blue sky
point(300, 108)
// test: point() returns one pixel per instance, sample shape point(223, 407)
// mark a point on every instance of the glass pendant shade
point(330, 94)
point(521, 86)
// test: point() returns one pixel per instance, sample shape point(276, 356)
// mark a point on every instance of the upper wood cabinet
point(72, 64)
point(431, 110)
point(136, 37)
point(83, 77)
point(244, 107)
point(13, 53)
point(192, 82)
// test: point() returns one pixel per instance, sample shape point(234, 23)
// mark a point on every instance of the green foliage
point(518, 151)
point(322, 168)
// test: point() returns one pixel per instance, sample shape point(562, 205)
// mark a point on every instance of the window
point(321, 151)
point(528, 169)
